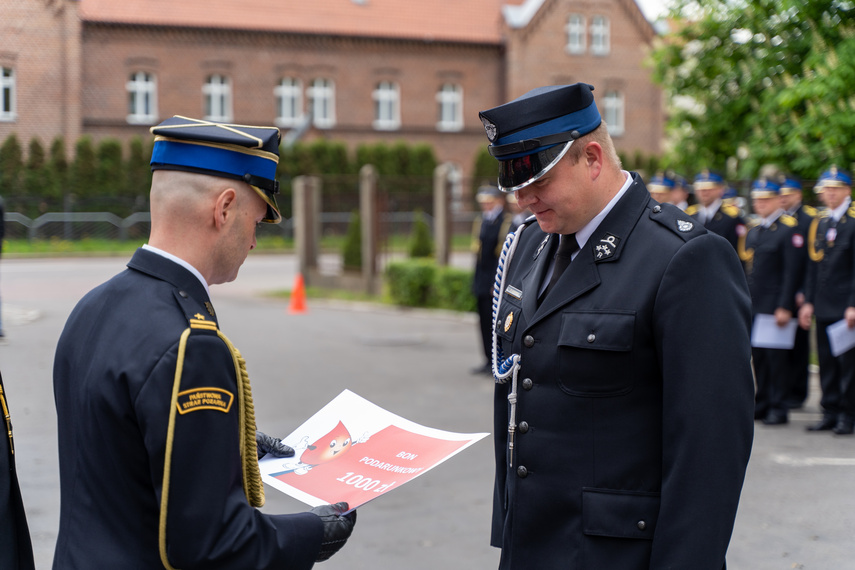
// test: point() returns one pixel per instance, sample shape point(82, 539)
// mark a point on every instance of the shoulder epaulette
point(851, 211)
point(692, 210)
point(788, 221)
point(730, 210)
point(676, 220)
point(809, 210)
point(824, 213)
point(752, 222)
point(199, 322)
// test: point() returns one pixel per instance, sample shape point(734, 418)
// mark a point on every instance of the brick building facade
point(364, 70)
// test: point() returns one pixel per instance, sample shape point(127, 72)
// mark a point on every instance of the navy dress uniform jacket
point(635, 399)
point(830, 282)
point(726, 222)
point(16, 550)
point(113, 380)
point(774, 262)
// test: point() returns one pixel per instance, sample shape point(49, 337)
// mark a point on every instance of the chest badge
point(509, 320)
point(830, 236)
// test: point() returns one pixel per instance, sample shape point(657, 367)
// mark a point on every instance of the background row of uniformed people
point(794, 256)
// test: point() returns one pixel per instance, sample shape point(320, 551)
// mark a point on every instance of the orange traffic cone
point(298, 296)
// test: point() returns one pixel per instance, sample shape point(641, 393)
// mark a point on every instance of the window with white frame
point(450, 101)
point(8, 110)
point(387, 106)
point(576, 34)
point(218, 98)
point(613, 112)
point(322, 98)
point(600, 35)
point(289, 102)
point(142, 98)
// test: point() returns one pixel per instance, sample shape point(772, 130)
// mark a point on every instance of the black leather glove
point(266, 444)
point(337, 528)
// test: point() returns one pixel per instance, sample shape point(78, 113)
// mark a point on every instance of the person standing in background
point(830, 297)
point(712, 212)
point(798, 359)
point(772, 256)
point(488, 235)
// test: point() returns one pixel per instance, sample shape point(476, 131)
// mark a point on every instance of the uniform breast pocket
point(595, 353)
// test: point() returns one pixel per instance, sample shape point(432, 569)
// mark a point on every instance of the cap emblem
point(490, 128)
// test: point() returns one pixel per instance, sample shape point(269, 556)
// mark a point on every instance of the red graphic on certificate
point(389, 452)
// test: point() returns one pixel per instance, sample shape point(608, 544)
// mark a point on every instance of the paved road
point(798, 507)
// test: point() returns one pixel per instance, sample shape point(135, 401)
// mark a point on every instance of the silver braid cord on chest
point(506, 368)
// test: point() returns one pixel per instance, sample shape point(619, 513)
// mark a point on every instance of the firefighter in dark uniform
point(771, 253)
point(621, 433)
point(157, 442)
point(798, 359)
point(16, 550)
point(488, 233)
point(711, 211)
point(830, 297)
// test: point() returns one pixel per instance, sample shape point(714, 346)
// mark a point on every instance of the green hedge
point(422, 283)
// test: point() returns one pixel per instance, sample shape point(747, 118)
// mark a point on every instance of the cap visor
point(518, 173)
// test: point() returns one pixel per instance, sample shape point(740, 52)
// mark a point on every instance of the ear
point(224, 207)
point(593, 157)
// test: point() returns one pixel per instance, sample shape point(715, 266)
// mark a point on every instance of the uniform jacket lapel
point(533, 279)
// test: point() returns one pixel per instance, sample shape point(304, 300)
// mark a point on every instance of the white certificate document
point(840, 337)
point(767, 334)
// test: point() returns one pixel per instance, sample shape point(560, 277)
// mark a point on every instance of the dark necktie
point(566, 248)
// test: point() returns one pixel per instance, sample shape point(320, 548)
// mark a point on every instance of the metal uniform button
point(642, 525)
point(523, 427)
point(592, 337)
point(183, 294)
point(657, 209)
point(527, 384)
point(528, 341)
point(522, 472)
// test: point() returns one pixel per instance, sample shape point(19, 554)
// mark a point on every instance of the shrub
point(11, 166)
point(421, 242)
point(421, 283)
point(410, 282)
point(453, 288)
point(352, 249)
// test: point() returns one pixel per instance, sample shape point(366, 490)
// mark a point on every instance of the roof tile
point(470, 21)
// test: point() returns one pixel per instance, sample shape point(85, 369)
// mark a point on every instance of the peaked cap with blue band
point(835, 178)
point(238, 152)
point(708, 179)
point(531, 133)
point(661, 183)
point(765, 188)
point(791, 185)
